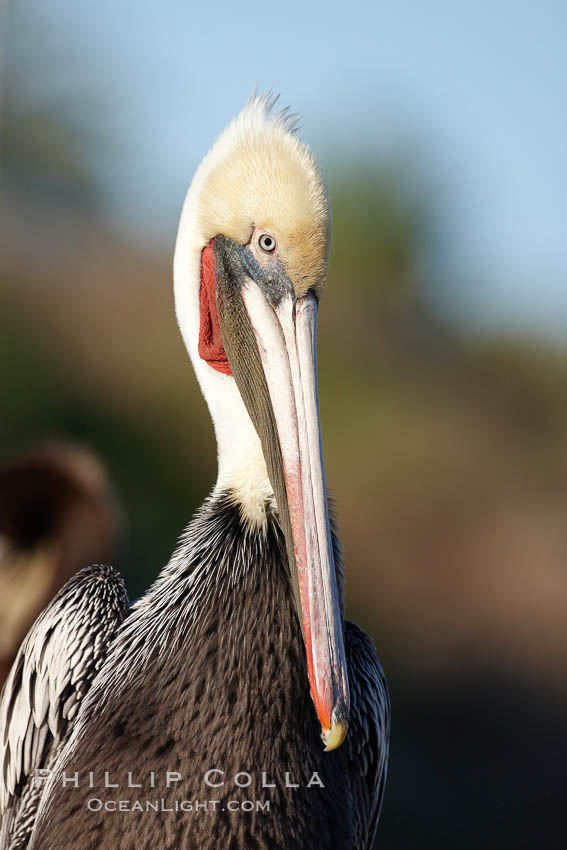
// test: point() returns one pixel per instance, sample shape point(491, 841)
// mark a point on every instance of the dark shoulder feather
point(369, 733)
point(54, 669)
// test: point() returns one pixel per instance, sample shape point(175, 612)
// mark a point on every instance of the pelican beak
point(269, 335)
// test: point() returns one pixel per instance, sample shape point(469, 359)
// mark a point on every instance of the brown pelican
point(203, 727)
point(57, 514)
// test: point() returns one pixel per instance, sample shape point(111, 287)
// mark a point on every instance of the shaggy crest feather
point(261, 106)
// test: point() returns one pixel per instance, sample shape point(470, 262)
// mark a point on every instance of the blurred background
point(442, 130)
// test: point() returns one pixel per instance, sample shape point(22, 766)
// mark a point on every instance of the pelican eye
point(267, 243)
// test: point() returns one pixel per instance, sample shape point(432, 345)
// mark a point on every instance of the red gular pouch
point(211, 348)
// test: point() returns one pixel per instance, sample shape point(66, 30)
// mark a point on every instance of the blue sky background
point(476, 91)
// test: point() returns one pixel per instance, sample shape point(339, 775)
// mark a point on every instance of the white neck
point(241, 464)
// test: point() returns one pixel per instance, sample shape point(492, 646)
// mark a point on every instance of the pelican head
point(250, 266)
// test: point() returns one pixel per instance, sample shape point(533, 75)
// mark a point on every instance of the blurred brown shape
point(57, 514)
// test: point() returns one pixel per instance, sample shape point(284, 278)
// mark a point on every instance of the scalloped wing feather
point(54, 669)
point(369, 733)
